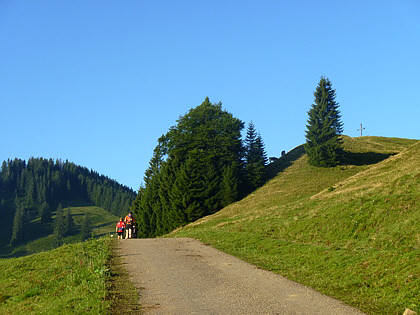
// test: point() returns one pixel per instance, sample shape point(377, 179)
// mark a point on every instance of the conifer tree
point(173, 214)
point(230, 184)
point(86, 230)
point(142, 213)
point(44, 212)
point(68, 223)
point(324, 127)
point(59, 223)
point(186, 171)
point(18, 226)
point(255, 158)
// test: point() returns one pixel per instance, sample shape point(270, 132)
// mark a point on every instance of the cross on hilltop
point(361, 129)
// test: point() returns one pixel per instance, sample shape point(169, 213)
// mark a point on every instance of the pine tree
point(171, 213)
point(230, 184)
point(18, 226)
point(59, 223)
point(86, 230)
point(186, 171)
point(44, 213)
point(142, 214)
point(68, 223)
point(189, 191)
point(324, 127)
point(255, 158)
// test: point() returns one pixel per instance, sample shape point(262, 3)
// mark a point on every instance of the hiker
point(120, 228)
point(129, 221)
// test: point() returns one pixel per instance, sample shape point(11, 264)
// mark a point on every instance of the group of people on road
point(127, 226)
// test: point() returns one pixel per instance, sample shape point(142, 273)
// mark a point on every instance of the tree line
point(199, 166)
point(202, 163)
point(37, 187)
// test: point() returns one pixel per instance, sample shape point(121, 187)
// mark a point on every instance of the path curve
point(184, 276)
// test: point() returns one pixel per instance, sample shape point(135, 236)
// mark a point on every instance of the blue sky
point(97, 82)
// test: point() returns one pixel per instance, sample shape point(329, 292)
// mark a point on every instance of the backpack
point(129, 220)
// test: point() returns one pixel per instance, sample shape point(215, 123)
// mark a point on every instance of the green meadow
point(351, 231)
point(71, 279)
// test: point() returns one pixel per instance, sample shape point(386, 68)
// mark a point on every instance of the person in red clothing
point(129, 221)
point(120, 228)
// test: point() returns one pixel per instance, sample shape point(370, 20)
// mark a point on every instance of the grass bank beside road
point(351, 232)
point(71, 279)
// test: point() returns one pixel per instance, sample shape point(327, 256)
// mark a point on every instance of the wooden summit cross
point(361, 129)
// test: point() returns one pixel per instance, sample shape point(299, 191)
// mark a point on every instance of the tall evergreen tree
point(68, 223)
point(230, 184)
point(323, 142)
point(59, 223)
point(18, 226)
point(44, 212)
point(86, 229)
point(185, 176)
point(255, 158)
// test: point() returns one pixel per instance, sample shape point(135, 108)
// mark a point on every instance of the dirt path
point(183, 276)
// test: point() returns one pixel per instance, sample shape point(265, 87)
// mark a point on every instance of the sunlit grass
point(68, 280)
point(350, 231)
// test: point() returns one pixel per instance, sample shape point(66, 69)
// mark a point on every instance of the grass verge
point(68, 280)
point(122, 294)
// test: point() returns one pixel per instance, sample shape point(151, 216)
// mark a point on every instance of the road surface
point(184, 276)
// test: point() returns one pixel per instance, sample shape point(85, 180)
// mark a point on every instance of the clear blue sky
point(97, 82)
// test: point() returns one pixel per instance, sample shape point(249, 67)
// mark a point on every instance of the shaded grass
point(70, 279)
point(350, 231)
point(122, 294)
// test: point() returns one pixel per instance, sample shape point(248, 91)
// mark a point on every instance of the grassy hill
point(40, 237)
point(351, 232)
point(71, 279)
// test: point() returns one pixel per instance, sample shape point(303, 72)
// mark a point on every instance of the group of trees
point(37, 187)
point(64, 225)
point(199, 166)
point(202, 164)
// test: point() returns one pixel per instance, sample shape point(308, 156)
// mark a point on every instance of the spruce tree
point(230, 184)
point(59, 223)
point(174, 214)
point(255, 158)
point(68, 223)
point(323, 142)
point(86, 230)
point(187, 169)
point(18, 226)
point(44, 212)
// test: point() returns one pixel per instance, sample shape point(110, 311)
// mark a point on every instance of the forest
point(37, 187)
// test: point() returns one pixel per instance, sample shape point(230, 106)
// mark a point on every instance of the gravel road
point(184, 276)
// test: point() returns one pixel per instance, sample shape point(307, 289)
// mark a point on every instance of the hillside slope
point(68, 280)
point(42, 238)
point(31, 191)
point(350, 232)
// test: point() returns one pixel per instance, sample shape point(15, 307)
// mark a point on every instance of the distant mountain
point(34, 189)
